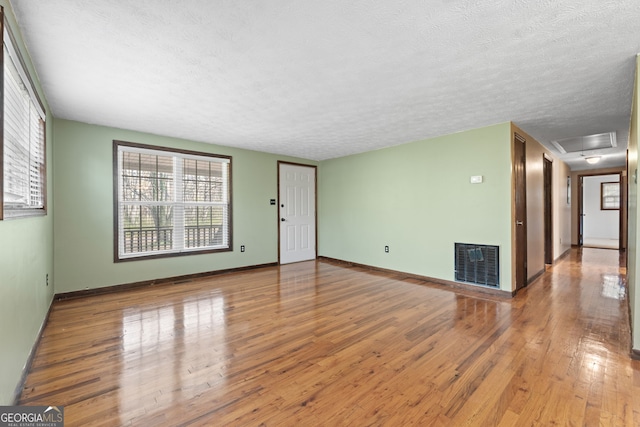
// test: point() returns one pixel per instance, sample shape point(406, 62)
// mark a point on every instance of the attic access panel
point(586, 143)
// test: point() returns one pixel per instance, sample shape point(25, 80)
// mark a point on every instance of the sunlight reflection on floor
point(613, 286)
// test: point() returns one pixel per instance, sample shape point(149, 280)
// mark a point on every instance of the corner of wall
point(632, 203)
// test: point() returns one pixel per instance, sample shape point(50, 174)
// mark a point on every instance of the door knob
point(519, 223)
point(282, 219)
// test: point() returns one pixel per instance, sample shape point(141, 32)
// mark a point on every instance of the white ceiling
point(327, 78)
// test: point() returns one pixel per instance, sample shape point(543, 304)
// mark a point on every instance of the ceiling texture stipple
point(324, 79)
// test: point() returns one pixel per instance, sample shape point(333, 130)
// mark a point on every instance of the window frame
point(616, 201)
point(23, 71)
point(181, 154)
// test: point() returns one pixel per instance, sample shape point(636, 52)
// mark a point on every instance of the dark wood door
point(520, 175)
point(624, 213)
point(548, 213)
point(580, 211)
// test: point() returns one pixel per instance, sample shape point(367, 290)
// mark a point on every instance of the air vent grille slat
point(477, 264)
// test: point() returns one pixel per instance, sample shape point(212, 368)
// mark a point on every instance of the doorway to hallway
point(600, 207)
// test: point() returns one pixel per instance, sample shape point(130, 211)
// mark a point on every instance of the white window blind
point(171, 202)
point(23, 138)
point(610, 195)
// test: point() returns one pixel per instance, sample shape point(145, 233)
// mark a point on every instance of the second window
point(170, 202)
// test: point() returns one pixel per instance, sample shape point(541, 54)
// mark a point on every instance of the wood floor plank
point(322, 343)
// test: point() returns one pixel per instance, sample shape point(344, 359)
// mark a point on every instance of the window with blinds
point(609, 196)
point(23, 138)
point(170, 202)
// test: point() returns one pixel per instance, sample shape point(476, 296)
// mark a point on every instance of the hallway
point(581, 346)
point(318, 343)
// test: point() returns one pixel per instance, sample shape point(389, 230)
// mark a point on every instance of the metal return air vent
point(477, 264)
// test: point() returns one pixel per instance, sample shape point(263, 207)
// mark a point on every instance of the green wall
point(26, 257)
point(632, 232)
point(417, 199)
point(83, 188)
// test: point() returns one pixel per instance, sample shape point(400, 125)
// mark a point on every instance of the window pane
point(163, 188)
point(204, 181)
point(146, 177)
point(146, 228)
point(203, 169)
point(217, 191)
point(204, 191)
point(610, 195)
point(204, 226)
point(189, 170)
point(190, 191)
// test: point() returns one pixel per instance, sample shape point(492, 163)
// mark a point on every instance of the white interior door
point(297, 207)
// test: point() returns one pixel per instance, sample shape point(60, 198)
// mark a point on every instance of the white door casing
point(297, 209)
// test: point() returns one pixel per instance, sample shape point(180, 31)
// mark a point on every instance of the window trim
point(35, 98)
point(602, 197)
point(116, 205)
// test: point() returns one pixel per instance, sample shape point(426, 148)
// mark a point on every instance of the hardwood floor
point(319, 344)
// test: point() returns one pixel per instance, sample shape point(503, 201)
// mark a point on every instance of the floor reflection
point(295, 287)
point(478, 313)
point(159, 337)
point(613, 286)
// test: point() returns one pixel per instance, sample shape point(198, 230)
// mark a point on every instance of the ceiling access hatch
point(579, 144)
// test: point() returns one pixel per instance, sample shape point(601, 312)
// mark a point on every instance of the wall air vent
point(477, 264)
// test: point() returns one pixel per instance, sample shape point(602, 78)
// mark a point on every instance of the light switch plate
point(476, 179)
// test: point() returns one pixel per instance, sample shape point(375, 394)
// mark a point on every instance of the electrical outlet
point(47, 279)
point(242, 248)
point(386, 249)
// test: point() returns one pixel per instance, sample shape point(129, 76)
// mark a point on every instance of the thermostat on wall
point(476, 179)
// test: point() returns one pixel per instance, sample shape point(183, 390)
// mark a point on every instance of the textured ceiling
point(327, 78)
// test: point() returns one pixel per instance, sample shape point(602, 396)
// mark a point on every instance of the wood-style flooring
point(321, 344)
